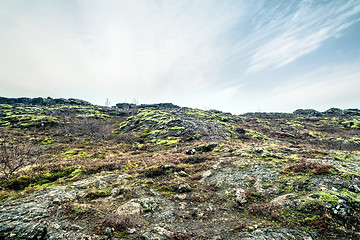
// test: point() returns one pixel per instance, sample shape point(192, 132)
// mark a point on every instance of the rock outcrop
point(43, 101)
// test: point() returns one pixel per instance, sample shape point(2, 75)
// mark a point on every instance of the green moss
point(351, 196)
point(124, 124)
point(5, 106)
point(164, 189)
point(68, 153)
point(94, 193)
point(151, 114)
point(166, 142)
point(76, 153)
point(344, 175)
point(314, 134)
point(77, 173)
point(355, 140)
point(256, 135)
point(341, 156)
point(177, 128)
point(8, 195)
point(311, 218)
point(41, 186)
point(95, 115)
point(247, 155)
point(29, 120)
point(56, 174)
point(293, 157)
point(210, 116)
point(83, 155)
point(351, 124)
point(80, 208)
point(89, 115)
point(5, 123)
point(46, 141)
point(262, 121)
point(128, 166)
point(329, 198)
point(157, 132)
point(37, 180)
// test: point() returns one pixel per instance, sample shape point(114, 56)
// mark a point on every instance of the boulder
point(308, 113)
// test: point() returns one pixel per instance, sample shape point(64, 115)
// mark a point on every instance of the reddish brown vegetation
point(119, 225)
point(317, 168)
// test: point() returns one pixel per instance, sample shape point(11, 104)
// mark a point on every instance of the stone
point(274, 234)
point(206, 174)
point(129, 208)
point(182, 174)
point(117, 191)
point(240, 196)
point(43, 101)
point(159, 105)
point(184, 188)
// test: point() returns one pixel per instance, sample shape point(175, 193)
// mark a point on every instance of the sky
point(232, 55)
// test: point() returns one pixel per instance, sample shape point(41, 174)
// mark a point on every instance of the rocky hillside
point(72, 170)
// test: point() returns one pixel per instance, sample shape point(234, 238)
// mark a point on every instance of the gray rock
point(126, 106)
point(129, 208)
point(182, 174)
point(232, 177)
point(152, 234)
point(159, 105)
point(342, 209)
point(331, 182)
point(43, 101)
point(184, 188)
point(275, 234)
point(308, 113)
point(333, 112)
point(31, 217)
point(117, 191)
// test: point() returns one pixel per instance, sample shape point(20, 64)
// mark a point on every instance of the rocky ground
point(71, 170)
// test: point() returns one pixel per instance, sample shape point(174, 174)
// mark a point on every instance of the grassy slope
point(73, 142)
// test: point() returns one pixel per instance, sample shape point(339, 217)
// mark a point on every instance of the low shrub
point(312, 167)
point(268, 210)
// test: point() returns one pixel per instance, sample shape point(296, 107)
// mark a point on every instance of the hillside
point(73, 170)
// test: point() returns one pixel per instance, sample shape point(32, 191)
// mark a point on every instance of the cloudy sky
point(236, 56)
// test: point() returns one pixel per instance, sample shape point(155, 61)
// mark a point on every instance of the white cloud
point(300, 32)
point(124, 47)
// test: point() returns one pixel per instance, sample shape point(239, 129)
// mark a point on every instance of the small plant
point(119, 225)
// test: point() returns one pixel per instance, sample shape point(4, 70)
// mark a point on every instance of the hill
point(73, 170)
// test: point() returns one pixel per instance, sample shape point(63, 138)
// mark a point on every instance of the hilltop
point(73, 170)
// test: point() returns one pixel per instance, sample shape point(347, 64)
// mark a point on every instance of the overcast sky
point(236, 56)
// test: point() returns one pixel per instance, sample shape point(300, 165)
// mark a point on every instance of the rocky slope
point(71, 170)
